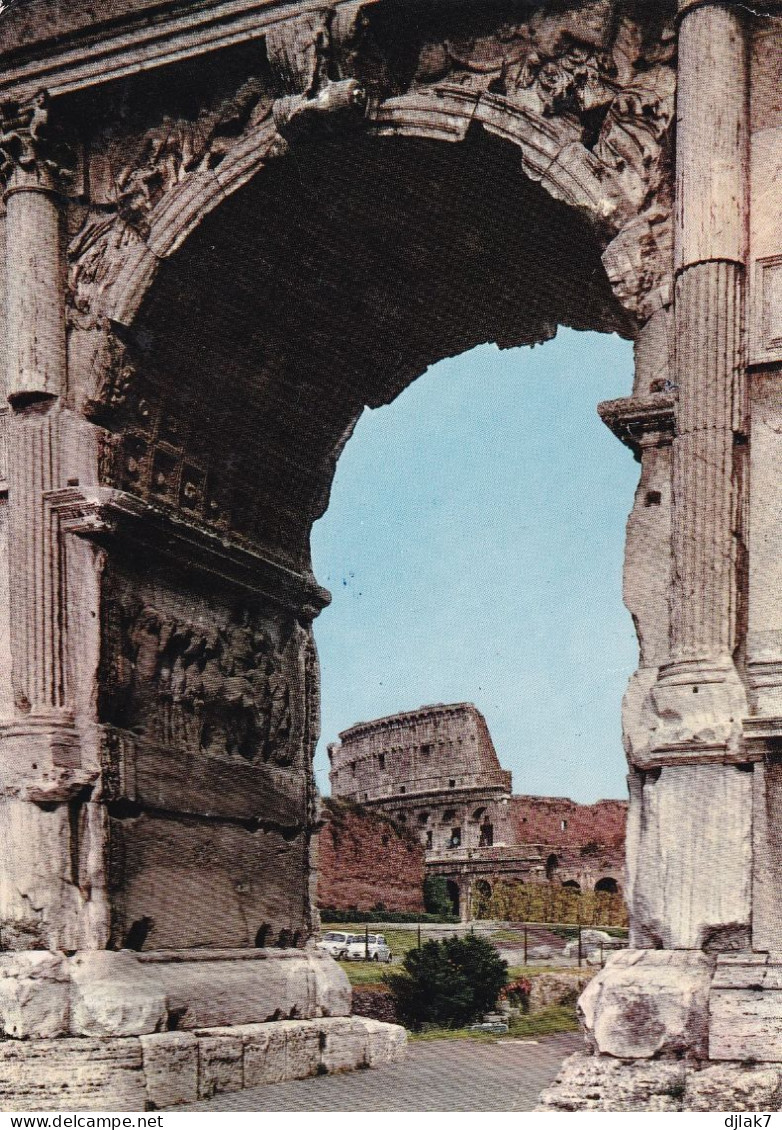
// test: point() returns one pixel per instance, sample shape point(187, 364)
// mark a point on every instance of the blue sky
point(473, 548)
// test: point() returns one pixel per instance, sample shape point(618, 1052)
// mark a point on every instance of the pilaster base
point(677, 1031)
point(105, 1030)
point(115, 994)
point(167, 1069)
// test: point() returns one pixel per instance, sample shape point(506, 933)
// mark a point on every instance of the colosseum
point(436, 770)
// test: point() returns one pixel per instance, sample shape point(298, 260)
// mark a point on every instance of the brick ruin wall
point(539, 819)
point(577, 833)
point(435, 771)
point(364, 859)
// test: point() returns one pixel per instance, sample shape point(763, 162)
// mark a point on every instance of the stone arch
point(605, 153)
point(607, 885)
point(480, 896)
point(216, 435)
point(552, 865)
point(225, 332)
point(578, 181)
point(572, 885)
point(112, 675)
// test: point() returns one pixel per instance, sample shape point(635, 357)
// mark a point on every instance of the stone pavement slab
point(437, 1075)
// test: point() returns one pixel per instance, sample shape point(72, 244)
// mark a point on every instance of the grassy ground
point(371, 973)
point(557, 1018)
point(502, 935)
point(516, 971)
point(365, 972)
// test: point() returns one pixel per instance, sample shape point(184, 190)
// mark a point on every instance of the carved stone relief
point(162, 450)
point(31, 143)
point(230, 688)
point(593, 70)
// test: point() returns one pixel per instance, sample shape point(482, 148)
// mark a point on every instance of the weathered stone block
point(170, 1062)
point(265, 1054)
point(732, 1087)
point(68, 1074)
point(386, 1043)
point(746, 1024)
point(332, 989)
point(113, 994)
point(302, 1048)
point(242, 987)
point(557, 988)
point(689, 861)
point(649, 1003)
point(193, 903)
point(219, 1064)
point(33, 995)
point(345, 1044)
point(602, 1083)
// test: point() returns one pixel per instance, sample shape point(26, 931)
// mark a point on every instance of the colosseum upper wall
point(436, 771)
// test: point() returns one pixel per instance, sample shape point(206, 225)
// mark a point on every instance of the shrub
point(436, 898)
point(449, 983)
point(517, 993)
point(552, 902)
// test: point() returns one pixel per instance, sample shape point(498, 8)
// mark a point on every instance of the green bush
point(436, 898)
point(553, 902)
point(449, 983)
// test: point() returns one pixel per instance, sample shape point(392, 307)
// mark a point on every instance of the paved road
point(436, 1075)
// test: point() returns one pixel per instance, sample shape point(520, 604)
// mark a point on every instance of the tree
point(436, 898)
point(448, 983)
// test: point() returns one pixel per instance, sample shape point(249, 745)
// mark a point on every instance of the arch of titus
point(229, 226)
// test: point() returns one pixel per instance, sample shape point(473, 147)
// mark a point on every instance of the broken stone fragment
point(649, 1003)
point(33, 995)
point(113, 994)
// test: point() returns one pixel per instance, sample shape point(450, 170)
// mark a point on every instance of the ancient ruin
point(437, 772)
point(228, 227)
point(367, 861)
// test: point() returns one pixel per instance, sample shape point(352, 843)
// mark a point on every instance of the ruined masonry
point(228, 227)
point(436, 771)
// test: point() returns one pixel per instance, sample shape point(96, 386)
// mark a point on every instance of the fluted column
point(690, 833)
point(35, 385)
point(51, 879)
point(700, 696)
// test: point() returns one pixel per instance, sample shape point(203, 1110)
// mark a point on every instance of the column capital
point(33, 156)
point(641, 421)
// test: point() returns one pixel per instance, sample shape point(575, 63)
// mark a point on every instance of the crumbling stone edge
point(162, 1070)
point(603, 1083)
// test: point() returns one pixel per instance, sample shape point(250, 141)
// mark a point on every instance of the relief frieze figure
point(175, 147)
point(592, 72)
point(227, 690)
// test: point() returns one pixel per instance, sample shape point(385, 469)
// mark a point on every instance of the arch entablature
point(586, 96)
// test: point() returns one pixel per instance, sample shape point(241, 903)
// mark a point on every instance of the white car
point(336, 943)
point(373, 945)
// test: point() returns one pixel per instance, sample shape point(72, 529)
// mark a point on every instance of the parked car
point(373, 945)
point(336, 943)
